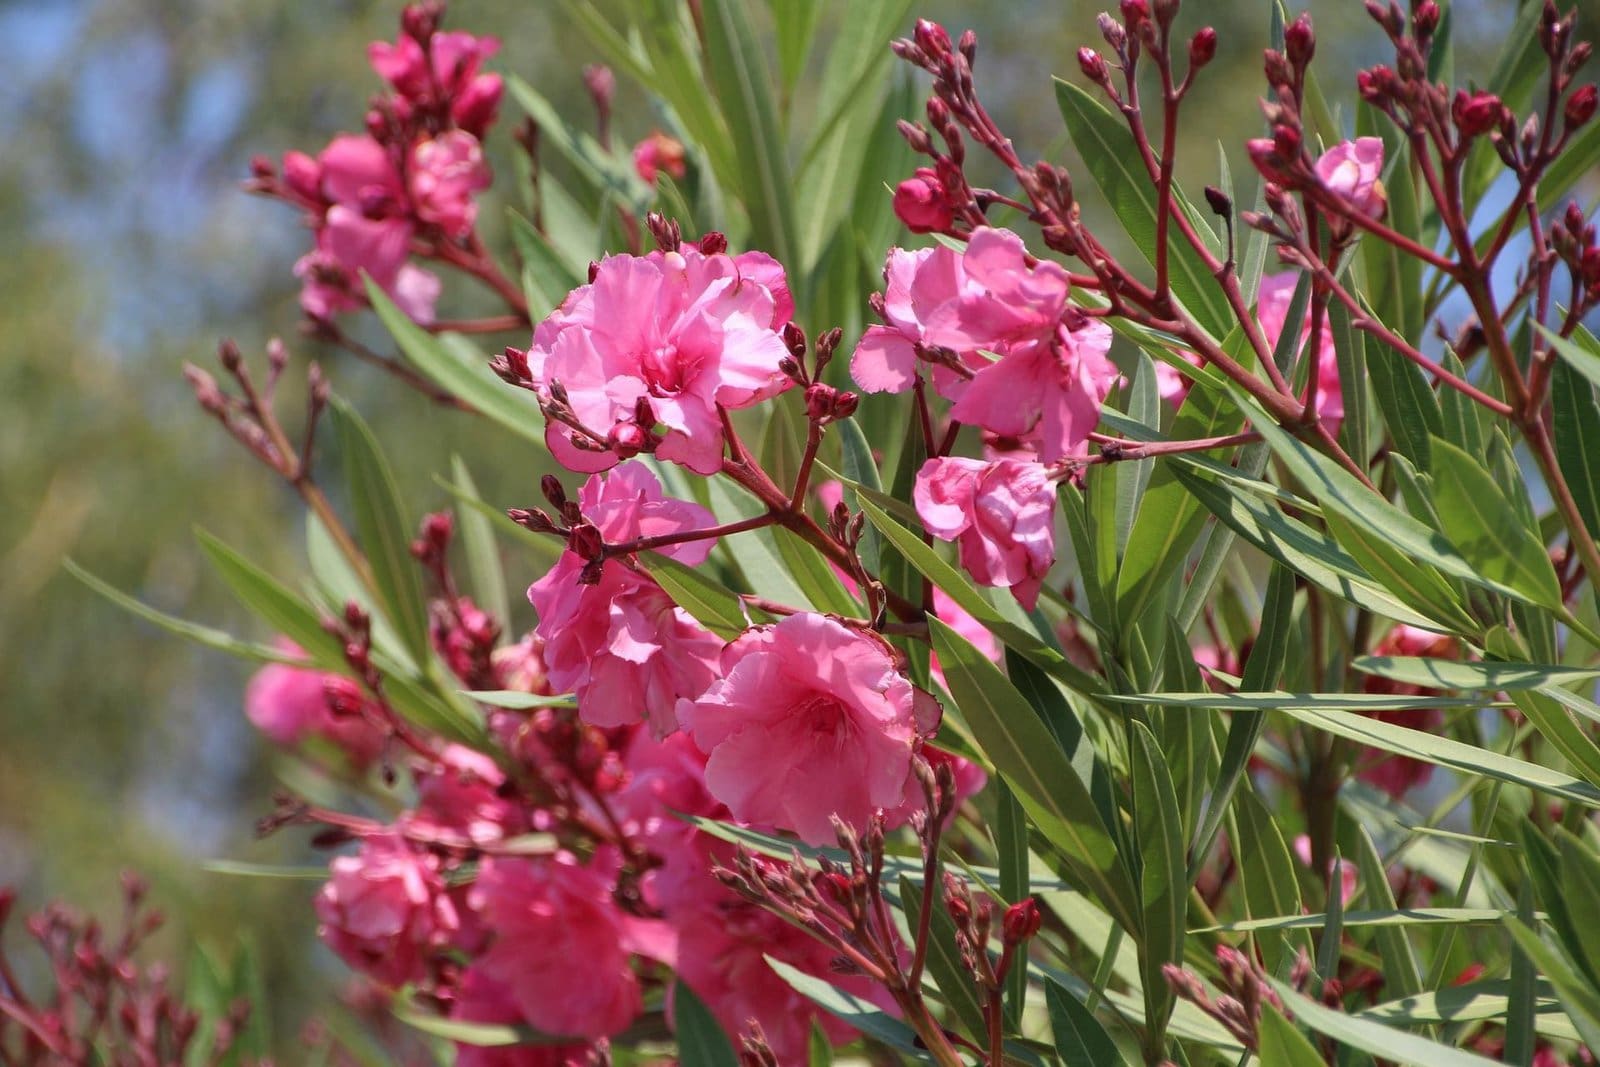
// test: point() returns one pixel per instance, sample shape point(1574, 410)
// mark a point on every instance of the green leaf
point(1580, 884)
point(383, 528)
point(286, 613)
point(193, 631)
point(469, 379)
point(1578, 995)
point(859, 468)
point(1011, 856)
point(1021, 749)
point(857, 1011)
point(313, 873)
point(1113, 159)
point(608, 173)
point(1448, 752)
point(1485, 526)
point(739, 78)
point(547, 277)
point(1456, 674)
point(1522, 1004)
point(1381, 918)
point(1203, 700)
point(1282, 1045)
point(1267, 870)
point(1576, 432)
point(517, 700)
point(1396, 1046)
point(700, 1036)
point(794, 25)
point(1400, 966)
point(483, 1035)
point(488, 579)
point(1163, 879)
point(1080, 1039)
point(1407, 402)
point(713, 605)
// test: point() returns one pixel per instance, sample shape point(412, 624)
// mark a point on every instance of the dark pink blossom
point(292, 705)
point(680, 334)
point(385, 910)
point(460, 797)
point(445, 76)
point(621, 644)
point(1398, 775)
point(920, 203)
point(659, 153)
point(1001, 515)
point(445, 174)
point(809, 719)
point(480, 999)
point(562, 946)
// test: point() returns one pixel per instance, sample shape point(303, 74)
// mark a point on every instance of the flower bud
point(968, 46)
point(1021, 921)
point(1093, 67)
point(1218, 201)
point(586, 543)
point(1276, 67)
point(915, 136)
point(1475, 114)
point(626, 439)
point(1377, 84)
point(845, 404)
point(1300, 41)
point(1202, 47)
point(1580, 106)
point(553, 491)
point(601, 83)
point(1112, 31)
point(920, 203)
point(1135, 13)
point(932, 38)
point(1425, 19)
point(1286, 142)
point(713, 243)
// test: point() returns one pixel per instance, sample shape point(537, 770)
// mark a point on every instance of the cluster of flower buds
point(104, 1005)
point(1244, 990)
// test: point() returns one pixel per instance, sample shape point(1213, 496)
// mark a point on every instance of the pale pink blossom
point(809, 719)
point(678, 334)
point(1354, 171)
point(1001, 515)
point(481, 999)
point(446, 172)
point(1052, 373)
point(562, 946)
point(1272, 311)
point(385, 910)
point(291, 705)
point(621, 644)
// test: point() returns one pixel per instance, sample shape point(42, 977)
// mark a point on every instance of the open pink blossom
point(809, 719)
point(385, 911)
point(1354, 171)
point(291, 705)
point(1273, 298)
point(621, 644)
point(446, 172)
point(481, 999)
point(1001, 515)
point(677, 334)
point(459, 797)
point(1052, 374)
point(562, 946)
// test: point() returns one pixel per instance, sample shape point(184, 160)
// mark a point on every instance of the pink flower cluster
point(651, 352)
point(296, 707)
point(410, 180)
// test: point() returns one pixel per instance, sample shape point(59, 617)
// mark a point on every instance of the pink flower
point(1000, 514)
point(920, 203)
point(1272, 310)
point(1052, 373)
point(1397, 775)
point(562, 946)
point(445, 173)
point(621, 644)
point(961, 621)
point(1353, 170)
point(810, 719)
point(674, 335)
point(480, 999)
point(384, 910)
point(447, 75)
point(460, 797)
point(657, 153)
point(291, 705)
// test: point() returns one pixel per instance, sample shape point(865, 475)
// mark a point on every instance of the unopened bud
point(601, 83)
point(1134, 13)
point(1202, 47)
point(1276, 67)
point(1219, 202)
point(1425, 19)
point(1021, 921)
point(1580, 106)
point(819, 402)
point(626, 439)
point(915, 136)
point(1475, 114)
point(932, 38)
point(553, 491)
point(1286, 142)
point(845, 404)
point(1376, 84)
point(586, 543)
point(1300, 41)
point(1093, 67)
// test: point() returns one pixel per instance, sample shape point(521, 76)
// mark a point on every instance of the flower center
point(663, 370)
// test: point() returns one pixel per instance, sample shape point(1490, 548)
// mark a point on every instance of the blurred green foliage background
point(127, 125)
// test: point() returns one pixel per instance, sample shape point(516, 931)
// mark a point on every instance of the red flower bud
point(1476, 114)
point(626, 439)
point(1286, 143)
point(1589, 265)
point(1425, 19)
point(1093, 67)
point(1276, 67)
point(819, 401)
point(1580, 106)
point(1299, 40)
point(586, 543)
point(932, 38)
point(1377, 84)
point(920, 203)
point(1021, 921)
point(1135, 12)
point(1202, 47)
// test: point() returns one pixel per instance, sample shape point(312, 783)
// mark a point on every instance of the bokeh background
point(127, 248)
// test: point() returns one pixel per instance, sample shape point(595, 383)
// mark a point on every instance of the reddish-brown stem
point(491, 324)
point(797, 499)
point(1117, 449)
point(475, 260)
point(411, 377)
point(646, 544)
